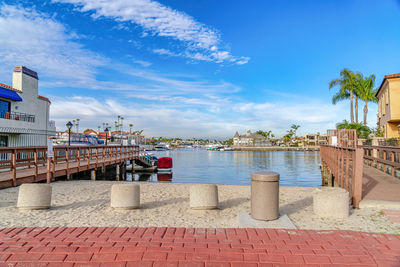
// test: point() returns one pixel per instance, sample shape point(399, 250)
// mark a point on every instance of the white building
point(24, 114)
point(250, 139)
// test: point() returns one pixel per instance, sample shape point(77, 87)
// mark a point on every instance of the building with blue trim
point(24, 114)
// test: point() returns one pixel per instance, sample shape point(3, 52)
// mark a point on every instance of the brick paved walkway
point(194, 247)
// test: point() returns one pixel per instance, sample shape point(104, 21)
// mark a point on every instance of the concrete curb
point(379, 204)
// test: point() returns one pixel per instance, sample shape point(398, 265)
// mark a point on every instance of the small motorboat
point(164, 164)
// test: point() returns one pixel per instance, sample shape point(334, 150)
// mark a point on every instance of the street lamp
point(106, 131)
point(69, 126)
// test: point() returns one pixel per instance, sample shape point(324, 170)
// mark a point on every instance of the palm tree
point(362, 130)
point(366, 92)
point(295, 128)
point(347, 82)
point(118, 120)
point(130, 128)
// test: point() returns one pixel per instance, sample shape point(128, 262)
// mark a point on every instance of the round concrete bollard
point(265, 196)
point(125, 196)
point(34, 196)
point(331, 203)
point(203, 196)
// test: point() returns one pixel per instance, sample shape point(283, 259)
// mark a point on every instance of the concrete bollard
point(331, 202)
point(265, 196)
point(34, 196)
point(203, 196)
point(125, 196)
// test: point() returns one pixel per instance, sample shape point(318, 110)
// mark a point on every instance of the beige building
point(315, 139)
point(389, 105)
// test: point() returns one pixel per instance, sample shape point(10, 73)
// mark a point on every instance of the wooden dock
point(366, 172)
point(30, 164)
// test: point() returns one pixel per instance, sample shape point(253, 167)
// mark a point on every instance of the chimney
point(25, 80)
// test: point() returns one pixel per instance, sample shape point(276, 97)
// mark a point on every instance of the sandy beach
point(87, 203)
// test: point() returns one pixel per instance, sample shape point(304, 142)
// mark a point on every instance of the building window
point(3, 141)
point(4, 108)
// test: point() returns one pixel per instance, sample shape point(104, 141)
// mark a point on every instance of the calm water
point(297, 168)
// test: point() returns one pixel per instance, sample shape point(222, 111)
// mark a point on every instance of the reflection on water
point(164, 177)
point(149, 177)
point(297, 168)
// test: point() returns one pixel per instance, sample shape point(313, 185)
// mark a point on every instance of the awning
point(9, 94)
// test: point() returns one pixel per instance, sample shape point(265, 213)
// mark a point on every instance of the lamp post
point(69, 126)
point(106, 131)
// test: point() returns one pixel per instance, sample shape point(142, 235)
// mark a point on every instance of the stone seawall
point(275, 148)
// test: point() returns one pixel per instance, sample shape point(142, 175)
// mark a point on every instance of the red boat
point(164, 164)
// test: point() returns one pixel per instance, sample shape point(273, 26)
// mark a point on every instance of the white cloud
point(43, 44)
point(143, 63)
point(195, 117)
point(162, 51)
point(160, 20)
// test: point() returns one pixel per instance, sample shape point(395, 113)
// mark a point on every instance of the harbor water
point(296, 168)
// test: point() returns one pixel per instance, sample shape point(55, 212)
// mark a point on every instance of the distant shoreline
point(275, 148)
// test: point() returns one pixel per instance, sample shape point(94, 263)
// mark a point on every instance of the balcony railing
point(18, 116)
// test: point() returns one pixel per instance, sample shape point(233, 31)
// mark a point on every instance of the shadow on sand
point(297, 205)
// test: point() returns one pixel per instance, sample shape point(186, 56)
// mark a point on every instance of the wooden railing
point(343, 166)
point(384, 158)
point(19, 158)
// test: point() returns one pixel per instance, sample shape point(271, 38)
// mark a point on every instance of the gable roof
point(389, 76)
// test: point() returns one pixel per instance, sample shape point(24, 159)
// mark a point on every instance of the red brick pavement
point(170, 247)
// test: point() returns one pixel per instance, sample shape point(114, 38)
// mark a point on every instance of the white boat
point(161, 147)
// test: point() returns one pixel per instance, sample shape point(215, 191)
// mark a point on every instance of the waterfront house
point(24, 114)
point(315, 139)
point(388, 96)
point(250, 139)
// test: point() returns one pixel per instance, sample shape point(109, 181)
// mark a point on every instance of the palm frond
point(339, 96)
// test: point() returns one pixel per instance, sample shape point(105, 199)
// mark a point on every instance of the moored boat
point(164, 164)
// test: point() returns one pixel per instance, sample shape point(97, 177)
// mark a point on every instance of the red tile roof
point(396, 75)
point(44, 98)
point(9, 87)
point(19, 91)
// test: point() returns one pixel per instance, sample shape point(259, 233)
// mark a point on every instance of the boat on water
point(161, 147)
point(164, 165)
point(225, 148)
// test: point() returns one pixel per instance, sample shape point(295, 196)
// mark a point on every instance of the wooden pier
point(366, 172)
point(20, 165)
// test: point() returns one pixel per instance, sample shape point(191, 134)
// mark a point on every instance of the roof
point(44, 98)
point(9, 87)
point(389, 76)
point(89, 132)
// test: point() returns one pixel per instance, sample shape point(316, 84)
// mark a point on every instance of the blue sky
point(199, 68)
